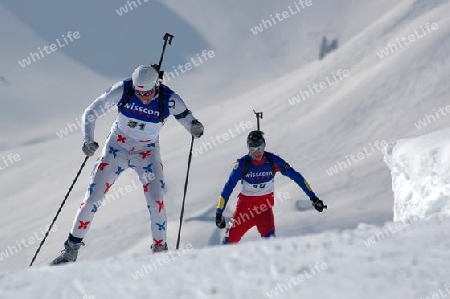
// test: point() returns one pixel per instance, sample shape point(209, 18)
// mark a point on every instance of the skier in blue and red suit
point(256, 171)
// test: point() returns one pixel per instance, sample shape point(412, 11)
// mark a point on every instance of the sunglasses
point(256, 148)
point(144, 93)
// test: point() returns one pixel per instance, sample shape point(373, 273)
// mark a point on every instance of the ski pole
point(325, 207)
point(167, 39)
point(259, 115)
point(227, 231)
point(185, 191)
point(59, 210)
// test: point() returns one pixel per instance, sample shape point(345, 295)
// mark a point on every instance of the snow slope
point(382, 99)
point(366, 262)
point(328, 265)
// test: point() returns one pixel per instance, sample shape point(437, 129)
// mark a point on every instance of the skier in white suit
point(132, 143)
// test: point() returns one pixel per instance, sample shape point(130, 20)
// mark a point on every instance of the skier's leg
point(107, 169)
point(243, 221)
point(265, 223)
point(149, 168)
point(112, 162)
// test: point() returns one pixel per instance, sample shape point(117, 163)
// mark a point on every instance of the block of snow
point(420, 169)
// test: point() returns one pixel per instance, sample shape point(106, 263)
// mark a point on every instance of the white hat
point(144, 77)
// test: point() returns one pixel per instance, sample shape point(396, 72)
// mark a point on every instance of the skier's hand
point(317, 204)
point(89, 148)
point(196, 128)
point(220, 221)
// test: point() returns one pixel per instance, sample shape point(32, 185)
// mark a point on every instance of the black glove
point(196, 128)
point(317, 204)
point(220, 221)
point(89, 148)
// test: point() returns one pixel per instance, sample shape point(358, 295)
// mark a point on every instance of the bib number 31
point(133, 124)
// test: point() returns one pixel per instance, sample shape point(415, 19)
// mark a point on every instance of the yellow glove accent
point(221, 203)
point(307, 185)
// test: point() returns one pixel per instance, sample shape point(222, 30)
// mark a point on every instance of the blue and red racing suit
point(256, 199)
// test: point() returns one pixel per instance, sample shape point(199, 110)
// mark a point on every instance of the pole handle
point(259, 115)
point(167, 39)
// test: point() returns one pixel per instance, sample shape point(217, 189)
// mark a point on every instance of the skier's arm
point(235, 176)
point(182, 114)
point(290, 172)
point(100, 106)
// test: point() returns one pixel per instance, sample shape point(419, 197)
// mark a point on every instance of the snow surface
point(326, 265)
point(420, 175)
point(383, 99)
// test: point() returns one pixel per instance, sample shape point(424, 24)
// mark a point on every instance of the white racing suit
point(132, 143)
